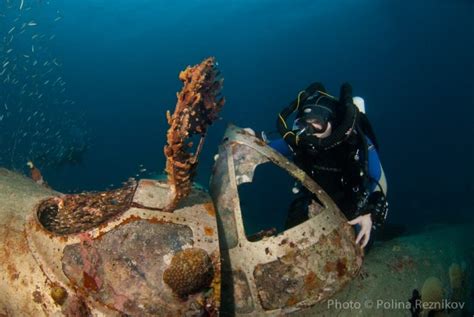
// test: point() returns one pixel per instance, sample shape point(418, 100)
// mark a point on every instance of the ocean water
point(84, 85)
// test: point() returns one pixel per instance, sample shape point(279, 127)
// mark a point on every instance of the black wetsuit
point(341, 170)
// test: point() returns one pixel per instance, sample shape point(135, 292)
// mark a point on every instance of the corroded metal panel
point(152, 194)
point(305, 274)
point(220, 181)
point(124, 267)
point(289, 271)
point(141, 262)
point(236, 287)
point(24, 288)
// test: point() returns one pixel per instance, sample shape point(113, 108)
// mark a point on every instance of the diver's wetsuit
point(344, 167)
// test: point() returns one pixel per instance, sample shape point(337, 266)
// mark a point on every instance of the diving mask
point(315, 118)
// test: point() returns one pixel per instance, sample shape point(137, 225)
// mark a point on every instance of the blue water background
point(412, 61)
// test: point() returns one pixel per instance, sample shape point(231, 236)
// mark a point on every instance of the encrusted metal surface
point(237, 293)
point(113, 269)
point(123, 269)
point(75, 213)
point(24, 288)
point(307, 274)
point(286, 272)
point(151, 194)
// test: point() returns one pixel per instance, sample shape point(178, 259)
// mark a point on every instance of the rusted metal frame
point(279, 160)
point(259, 248)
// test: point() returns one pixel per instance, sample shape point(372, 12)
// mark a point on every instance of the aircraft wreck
point(156, 248)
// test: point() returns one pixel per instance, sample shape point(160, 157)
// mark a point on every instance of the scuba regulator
point(322, 121)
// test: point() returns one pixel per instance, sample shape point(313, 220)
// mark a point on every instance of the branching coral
point(197, 107)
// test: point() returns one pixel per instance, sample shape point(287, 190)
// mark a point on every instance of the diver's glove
point(377, 206)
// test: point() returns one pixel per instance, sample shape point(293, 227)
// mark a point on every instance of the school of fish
point(38, 121)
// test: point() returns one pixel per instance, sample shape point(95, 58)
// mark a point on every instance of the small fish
point(1, 117)
point(32, 23)
point(6, 64)
point(57, 19)
point(11, 30)
point(10, 50)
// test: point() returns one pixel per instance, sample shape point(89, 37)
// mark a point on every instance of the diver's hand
point(365, 222)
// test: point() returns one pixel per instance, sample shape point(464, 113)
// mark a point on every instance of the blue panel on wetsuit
point(375, 167)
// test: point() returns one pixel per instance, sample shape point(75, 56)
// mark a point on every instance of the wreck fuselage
point(143, 260)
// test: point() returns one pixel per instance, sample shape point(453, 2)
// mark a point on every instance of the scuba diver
point(333, 142)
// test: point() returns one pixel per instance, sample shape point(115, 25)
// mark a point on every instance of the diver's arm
point(372, 217)
point(373, 213)
point(377, 206)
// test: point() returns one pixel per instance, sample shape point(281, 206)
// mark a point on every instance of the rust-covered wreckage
point(145, 261)
point(280, 273)
point(167, 248)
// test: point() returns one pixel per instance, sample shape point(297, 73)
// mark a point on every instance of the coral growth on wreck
point(190, 271)
point(74, 213)
point(197, 107)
